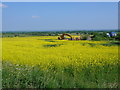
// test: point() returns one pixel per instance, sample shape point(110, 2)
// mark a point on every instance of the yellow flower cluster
point(47, 51)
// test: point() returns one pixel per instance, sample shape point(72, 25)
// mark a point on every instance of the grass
point(22, 76)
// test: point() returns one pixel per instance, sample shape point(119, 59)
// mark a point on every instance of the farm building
point(111, 34)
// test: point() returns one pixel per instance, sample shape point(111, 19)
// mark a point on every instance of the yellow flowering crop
point(46, 49)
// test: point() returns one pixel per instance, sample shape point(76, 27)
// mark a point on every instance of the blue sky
point(47, 16)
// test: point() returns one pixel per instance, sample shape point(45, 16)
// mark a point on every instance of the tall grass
point(22, 76)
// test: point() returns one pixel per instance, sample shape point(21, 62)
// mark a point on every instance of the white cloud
point(3, 5)
point(35, 16)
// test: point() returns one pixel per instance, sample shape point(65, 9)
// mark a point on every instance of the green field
point(45, 62)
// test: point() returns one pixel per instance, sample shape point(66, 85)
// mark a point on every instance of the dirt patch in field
point(48, 40)
point(52, 45)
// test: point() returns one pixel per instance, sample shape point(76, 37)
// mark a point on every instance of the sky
point(59, 16)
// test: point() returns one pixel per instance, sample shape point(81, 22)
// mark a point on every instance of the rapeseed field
point(45, 62)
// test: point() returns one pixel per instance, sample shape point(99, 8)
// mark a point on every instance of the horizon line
point(62, 30)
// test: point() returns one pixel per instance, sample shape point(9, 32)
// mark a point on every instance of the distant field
point(45, 62)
